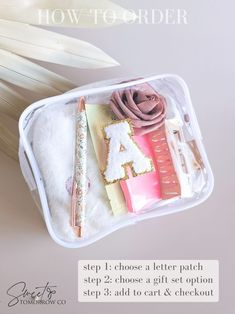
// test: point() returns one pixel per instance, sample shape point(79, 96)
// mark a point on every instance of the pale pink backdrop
point(202, 52)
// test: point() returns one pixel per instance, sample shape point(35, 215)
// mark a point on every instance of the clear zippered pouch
point(113, 153)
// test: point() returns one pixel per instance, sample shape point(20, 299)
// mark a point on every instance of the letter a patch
point(123, 152)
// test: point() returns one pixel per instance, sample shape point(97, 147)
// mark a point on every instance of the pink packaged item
point(142, 191)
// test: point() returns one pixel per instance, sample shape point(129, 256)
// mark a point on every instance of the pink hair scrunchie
point(142, 105)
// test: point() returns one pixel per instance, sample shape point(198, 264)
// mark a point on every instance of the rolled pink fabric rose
point(142, 105)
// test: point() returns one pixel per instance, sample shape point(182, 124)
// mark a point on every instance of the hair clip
point(170, 186)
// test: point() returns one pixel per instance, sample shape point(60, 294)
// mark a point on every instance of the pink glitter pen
point(79, 182)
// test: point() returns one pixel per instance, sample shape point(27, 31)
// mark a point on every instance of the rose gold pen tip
point(78, 231)
point(81, 104)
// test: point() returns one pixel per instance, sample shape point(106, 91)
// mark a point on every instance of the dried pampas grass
point(11, 102)
point(18, 40)
point(43, 45)
point(8, 142)
point(21, 72)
